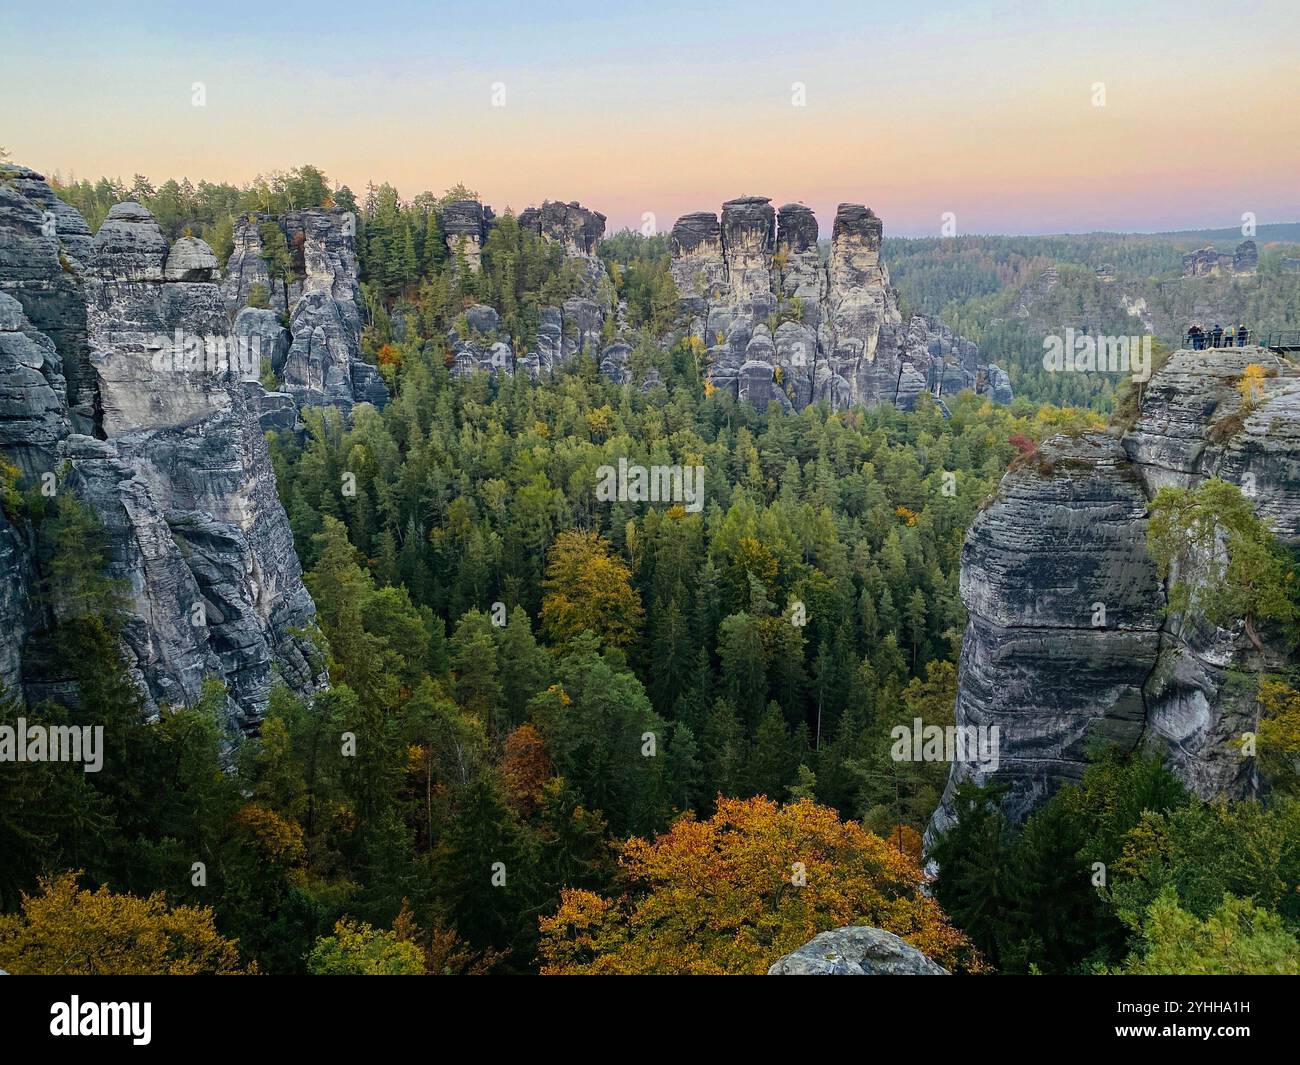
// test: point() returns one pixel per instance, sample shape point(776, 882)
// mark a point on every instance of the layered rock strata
point(578, 231)
point(779, 323)
point(1068, 642)
point(575, 228)
point(46, 244)
point(1209, 262)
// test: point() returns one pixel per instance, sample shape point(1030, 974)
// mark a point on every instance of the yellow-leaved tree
point(1251, 384)
point(588, 588)
point(736, 892)
point(66, 930)
point(1279, 735)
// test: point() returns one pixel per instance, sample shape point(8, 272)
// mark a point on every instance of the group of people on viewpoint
point(1217, 337)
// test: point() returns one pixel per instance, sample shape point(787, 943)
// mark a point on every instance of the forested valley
point(563, 734)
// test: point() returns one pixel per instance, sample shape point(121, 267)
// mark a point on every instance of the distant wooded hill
point(1007, 293)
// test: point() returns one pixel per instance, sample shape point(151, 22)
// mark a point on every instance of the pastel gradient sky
point(918, 108)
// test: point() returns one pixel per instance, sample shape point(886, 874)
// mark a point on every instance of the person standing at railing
point(1243, 334)
point(1216, 336)
point(1196, 338)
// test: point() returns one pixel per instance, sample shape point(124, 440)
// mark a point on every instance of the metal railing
point(1280, 340)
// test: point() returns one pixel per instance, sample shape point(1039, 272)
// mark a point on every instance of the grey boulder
point(856, 951)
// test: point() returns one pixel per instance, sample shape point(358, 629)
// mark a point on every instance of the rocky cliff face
point(1068, 641)
point(159, 436)
point(570, 225)
point(698, 266)
point(782, 325)
point(46, 243)
point(33, 420)
point(465, 226)
point(317, 359)
point(33, 407)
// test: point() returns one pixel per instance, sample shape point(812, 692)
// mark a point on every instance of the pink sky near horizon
point(1004, 135)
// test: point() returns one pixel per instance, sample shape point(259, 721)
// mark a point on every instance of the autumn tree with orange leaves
point(525, 769)
point(732, 894)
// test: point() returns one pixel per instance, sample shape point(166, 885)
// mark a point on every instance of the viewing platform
point(1285, 341)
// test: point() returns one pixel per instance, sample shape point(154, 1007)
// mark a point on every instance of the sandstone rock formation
point(578, 231)
point(1208, 262)
point(159, 435)
point(1066, 532)
point(33, 414)
point(465, 225)
point(698, 266)
point(73, 233)
point(856, 951)
point(317, 360)
point(140, 327)
point(782, 325)
point(475, 345)
point(800, 260)
point(46, 243)
point(247, 266)
point(1068, 642)
point(570, 225)
point(1245, 259)
point(563, 332)
point(1191, 428)
point(1036, 292)
point(190, 259)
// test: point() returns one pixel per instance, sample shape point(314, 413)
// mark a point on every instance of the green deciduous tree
point(1225, 562)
